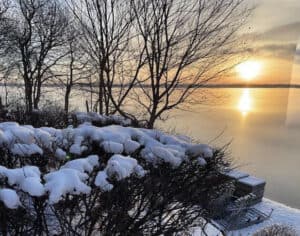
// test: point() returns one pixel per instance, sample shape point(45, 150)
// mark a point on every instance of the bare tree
point(4, 5)
point(35, 38)
point(106, 26)
point(4, 68)
point(78, 71)
point(186, 43)
point(75, 68)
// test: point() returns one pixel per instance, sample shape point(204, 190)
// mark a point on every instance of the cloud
point(283, 51)
point(286, 33)
point(278, 43)
point(271, 13)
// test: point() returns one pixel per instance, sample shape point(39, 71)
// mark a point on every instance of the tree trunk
point(67, 98)
point(28, 97)
point(153, 116)
point(37, 96)
point(101, 88)
point(36, 102)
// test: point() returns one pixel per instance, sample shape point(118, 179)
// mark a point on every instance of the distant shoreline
point(297, 86)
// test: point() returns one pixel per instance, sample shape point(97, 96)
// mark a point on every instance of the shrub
point(50, 114)
point(276, 230)
point(161, 188)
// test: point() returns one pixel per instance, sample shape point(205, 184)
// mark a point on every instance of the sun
point(248, 70)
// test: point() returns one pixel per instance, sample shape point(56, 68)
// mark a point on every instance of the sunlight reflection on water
point(245, 102)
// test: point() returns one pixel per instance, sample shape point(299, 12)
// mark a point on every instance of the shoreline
point(217, 86)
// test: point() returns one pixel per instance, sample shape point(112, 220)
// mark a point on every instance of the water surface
point(263, 126)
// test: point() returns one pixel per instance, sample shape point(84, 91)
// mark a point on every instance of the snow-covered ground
point(281, 214)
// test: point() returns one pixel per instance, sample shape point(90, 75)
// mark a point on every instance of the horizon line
point(229, 85)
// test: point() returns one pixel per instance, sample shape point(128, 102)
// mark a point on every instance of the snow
point(236, 174)
point(118, 167)
point(33, 186)
point(155, 146)
point(281, 214)
point(3, 139)
point(26, 178)
point(116, 141)
point(21, 134)
point(76, 147)
point(63, 181)
point(10, 198)
point(166, 156)
point(16, 176)
point(131, 146)
point(26, 150)
point(101, 181)
point(83, 164)
point(43, 138)
point(60, 154)
point(201, 161)
point(121, 167)
point(112, 147)
point(83, 117)
point(252, 181)
point(202, 150)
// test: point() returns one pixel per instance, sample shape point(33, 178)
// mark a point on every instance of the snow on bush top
point(103, 120)
point(116, 141)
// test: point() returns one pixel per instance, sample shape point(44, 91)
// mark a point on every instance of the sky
point(274, 27)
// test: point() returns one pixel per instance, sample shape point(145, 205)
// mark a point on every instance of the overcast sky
point(272, 13)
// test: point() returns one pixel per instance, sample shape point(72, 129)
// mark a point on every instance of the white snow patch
point(60, 154)
point(64, 181)
point(83, 164)
point(131, 146)
point(43, 138)
point(199, 150)
point(166, 156)
point(101, 181)
point(33, 186)
point(121, 167)
point(112, 147)
point(76, 147)
point(26, 178)
point(10, 198)
point(26, 150)
point(201, 161)
point(281, 214)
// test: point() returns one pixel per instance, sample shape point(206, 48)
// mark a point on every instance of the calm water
point(263, 126)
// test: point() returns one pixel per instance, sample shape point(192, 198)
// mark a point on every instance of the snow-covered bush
point(115, 180)
point(96, 119)
point(276, 230)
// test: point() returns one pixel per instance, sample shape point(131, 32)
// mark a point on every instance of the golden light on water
point(245, 102)
point(248, 70)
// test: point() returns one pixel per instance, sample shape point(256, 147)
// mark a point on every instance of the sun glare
point(245, 102)
point(248, 70)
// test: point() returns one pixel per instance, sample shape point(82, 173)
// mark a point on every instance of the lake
point(263, 126)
